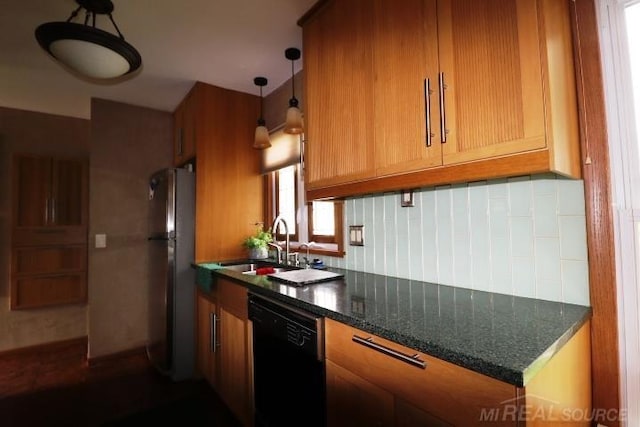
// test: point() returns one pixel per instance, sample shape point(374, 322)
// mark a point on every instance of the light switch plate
point(356, 235)
point(101, 241)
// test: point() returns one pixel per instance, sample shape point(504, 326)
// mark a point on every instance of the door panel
point(32, 189)
point(67, 192)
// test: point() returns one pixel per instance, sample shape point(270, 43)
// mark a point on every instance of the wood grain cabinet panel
point(185, 121)
point(224, 350)
point(49, 231)
point(206, 312)
point(339, 77)
point(366, 383)
point(444, 91)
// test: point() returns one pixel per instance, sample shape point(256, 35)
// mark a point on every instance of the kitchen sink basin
point(254, 268)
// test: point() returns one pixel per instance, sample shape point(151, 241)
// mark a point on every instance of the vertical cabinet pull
point(180, 141)
point(427, 111)
point(443, 110)
point(46, 211)
point(413, 360)
point(213, 338)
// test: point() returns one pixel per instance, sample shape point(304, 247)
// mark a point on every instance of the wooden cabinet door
point(354, 401)
point(68, 192)
point(32, 191)
point(234, 383)
point(207, 342)
point(179, 134)
point(492, 86)
point(338, 63)
point(235, 378)
point(407, 131)
point(408, 415)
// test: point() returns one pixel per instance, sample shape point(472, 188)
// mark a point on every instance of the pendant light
point(87, 50)
point(261, 140)
point(293, 124)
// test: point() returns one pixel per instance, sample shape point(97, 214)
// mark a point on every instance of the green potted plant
point(257, 243)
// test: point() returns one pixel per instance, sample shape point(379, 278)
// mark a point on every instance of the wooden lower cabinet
point(224, 351)
point(375, 389)
point(206, 346)
point(354, 401)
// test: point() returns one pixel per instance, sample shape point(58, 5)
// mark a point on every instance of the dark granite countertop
point(505, 337)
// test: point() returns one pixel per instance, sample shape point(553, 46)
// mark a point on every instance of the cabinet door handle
point(52, 219)
point(427, 111)
point(412, 360)
point(213, 338)
point(443, 110)
point(180, 142)
point(46, 211)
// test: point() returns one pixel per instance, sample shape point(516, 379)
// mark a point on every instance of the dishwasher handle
point(412, 360)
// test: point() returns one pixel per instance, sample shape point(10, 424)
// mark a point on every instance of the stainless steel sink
point(250, 268)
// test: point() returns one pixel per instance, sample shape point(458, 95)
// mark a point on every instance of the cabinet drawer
point(30, 292)
point(29, 260)
point(442, 389)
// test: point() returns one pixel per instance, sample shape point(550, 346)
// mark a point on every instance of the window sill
point(325, 249)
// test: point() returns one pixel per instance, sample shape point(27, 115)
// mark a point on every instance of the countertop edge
point(516, 377)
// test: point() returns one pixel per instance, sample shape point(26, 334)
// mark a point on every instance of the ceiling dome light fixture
point(293, 124)
point(87, 50)
point(261, 140)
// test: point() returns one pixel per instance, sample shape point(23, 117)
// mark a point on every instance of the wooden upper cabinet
point(49, 192)
point(339, 76)
point(49, 233)
point(407, 132)
point(185, 133)
point(437, 92)
point(490, 77)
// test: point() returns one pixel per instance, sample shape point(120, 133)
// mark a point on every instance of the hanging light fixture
point(261, 140)
point(87, 50)
point(293, 124)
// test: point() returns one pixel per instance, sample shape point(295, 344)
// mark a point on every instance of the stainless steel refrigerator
point(171, 345)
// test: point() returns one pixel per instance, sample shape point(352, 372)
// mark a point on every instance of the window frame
point(336, 238)
point(276, 182)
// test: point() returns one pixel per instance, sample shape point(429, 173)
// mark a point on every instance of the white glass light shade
point(89, 51)
point(89, 59)
point(293, 124)
point(261, 139)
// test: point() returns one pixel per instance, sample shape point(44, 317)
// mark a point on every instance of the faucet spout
point(274, 227)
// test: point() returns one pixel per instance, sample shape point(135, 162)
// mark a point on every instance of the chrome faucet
point(274, 228)
point(306, 259)
point(278, 251)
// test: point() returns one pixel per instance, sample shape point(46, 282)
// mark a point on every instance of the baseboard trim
point(47, 347)
point(136, 351)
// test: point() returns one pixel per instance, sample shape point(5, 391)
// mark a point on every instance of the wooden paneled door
point(490, 82)
point(207, 341)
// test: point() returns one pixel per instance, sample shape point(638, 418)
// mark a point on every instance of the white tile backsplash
point(524, 236)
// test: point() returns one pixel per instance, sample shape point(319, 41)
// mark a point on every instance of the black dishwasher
point(288, 365)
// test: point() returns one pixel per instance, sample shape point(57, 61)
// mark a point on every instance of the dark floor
point(56, 387)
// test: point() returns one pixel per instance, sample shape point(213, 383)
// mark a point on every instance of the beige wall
point(29, 132)
point(128, 144)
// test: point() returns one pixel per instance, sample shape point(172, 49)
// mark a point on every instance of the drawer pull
point(412, 360)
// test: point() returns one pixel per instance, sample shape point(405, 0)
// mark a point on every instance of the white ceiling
point(222, 42)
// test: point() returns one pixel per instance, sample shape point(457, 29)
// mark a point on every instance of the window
point(322, 221)
point(319, 221)
point(286, 187)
